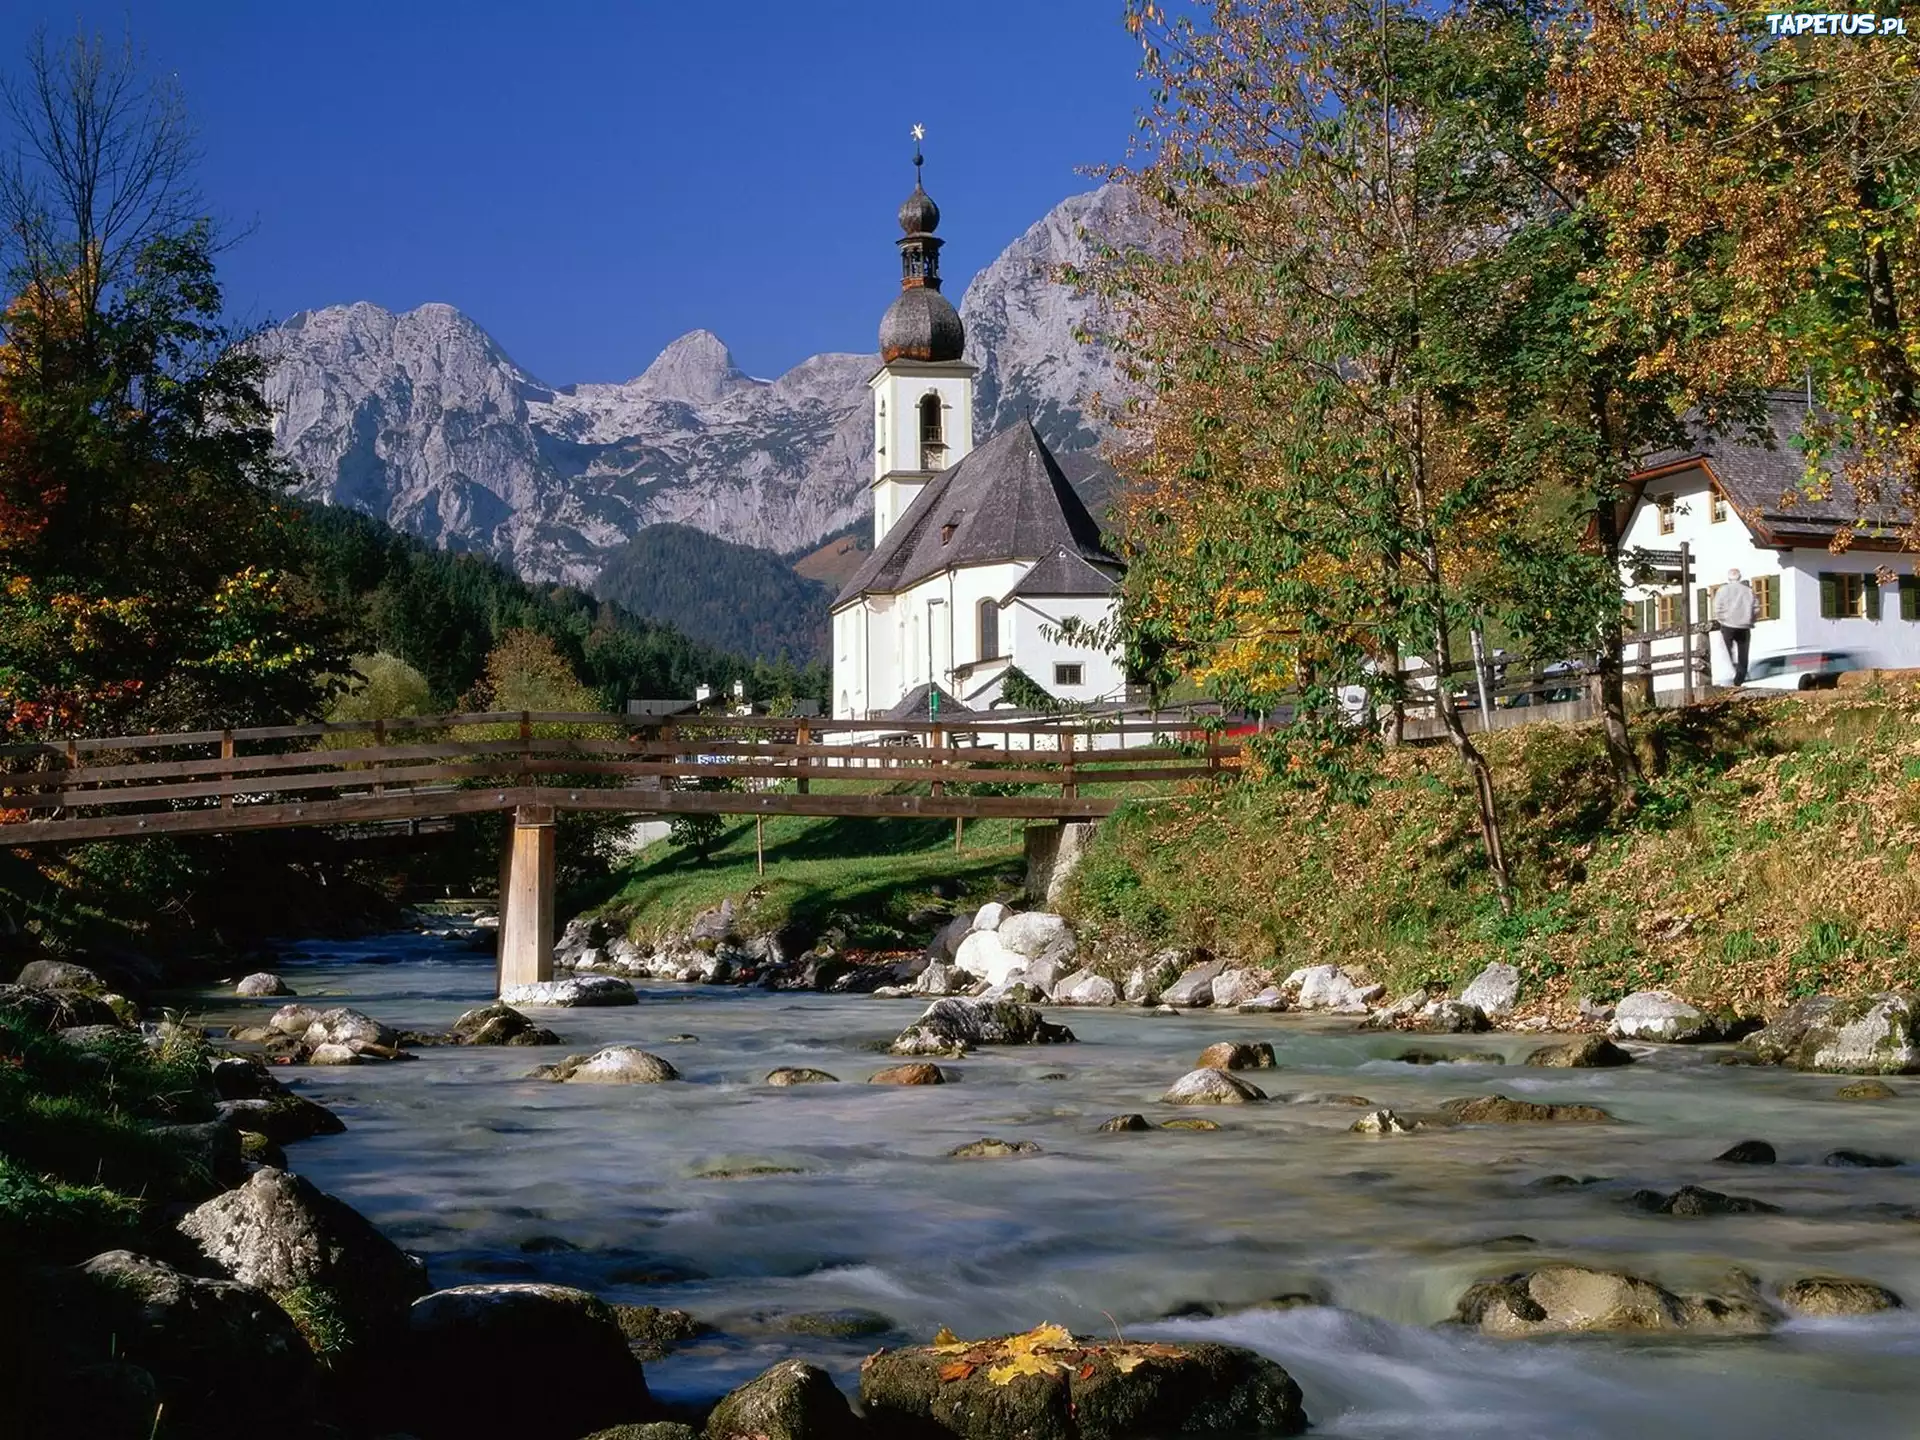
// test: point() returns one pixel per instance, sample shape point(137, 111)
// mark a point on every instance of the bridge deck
point(327, 774)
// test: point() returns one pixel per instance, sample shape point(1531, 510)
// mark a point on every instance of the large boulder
point(1207, 1086)
point(60, 975)
point(221, 1354)
point(951, 1027)
point(1779, 1043)
point(1502, 1110)
point(1583, 1052)
point(613, 1065)
point(1564, 1299)
point(294, 1020)
point(280, 1233)
point(1083, 987)
point(940, 979)
point(498, 1024)
point(1047, 1385)
point(1148, 980)
point(792, 1401)
point(989, 916)
point(918, 1073)
point(1662, 1015)
point(1194, 988)
point(982, 954)
point(1448, 1017)
point(1873, 1035)
point(578, 990)
point(537, 1362)
point(1835, 1295)
point(1232, 1055)
point(1233, 988)
point(52, 1010)
point(1496, 990)
point(350, 1028)
point(1033, 932)
point(1328, 987)
point(260, 984)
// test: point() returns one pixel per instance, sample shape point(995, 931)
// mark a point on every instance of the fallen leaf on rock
point(958, 1370)
point(1024, 1362)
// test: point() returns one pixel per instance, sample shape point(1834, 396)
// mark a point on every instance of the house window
point(1717, 510)
point(1066, 674)
point(1849, 597)
point(989, 630)
point(1666, 612)
point(933, 435)
point(1664, 504)
point(1910, 597)
point(1766, 597)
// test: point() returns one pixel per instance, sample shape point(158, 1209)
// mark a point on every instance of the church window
point(989, 630)
point(881, 429)
point(1066, 674)
point(933, 437)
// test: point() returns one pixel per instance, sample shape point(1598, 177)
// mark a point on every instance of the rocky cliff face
point(422, 420)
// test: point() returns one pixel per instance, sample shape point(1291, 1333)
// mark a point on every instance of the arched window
point(880, 430)
point(933, 436)
point(989, 630)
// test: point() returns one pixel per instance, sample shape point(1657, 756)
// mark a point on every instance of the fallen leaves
point(1043, 1350)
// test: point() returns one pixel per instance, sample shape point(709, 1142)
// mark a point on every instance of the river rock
point(1383, 1122)
point(617, 1065)
point(52, 1010)
point(1061, 1388)
point(349, 1028)
point(1194, 988)
point(989, 1148)
point(1083, 987)
point(1150, 977)
point(1748, 1152)
point(1212, 1087)
point(293, 1020)
point(792, 1401)
point(1564, 1299)
point(578, 990)
point(1190, 1123)
point(1866, 1090)
point(1234, 988)
point(465, 1345)
point(652, 1330)
point(982, 954)
point(1501, 1110)
point(222, 1353)
point(1237, 1055)
point(1861, 1160)
point(1032, 933)
point(1583, 1052)
point(989, 916)
point(942, 979)
point(1874, 1035)
point(1125, 1123)
point(1662, 1015)
point(950, 1027)
point(1695, 1200)
point(1328, 987)
point(1267, 1001)
point(1836, 1295)
point(1779, 1042)
point(499, 1024)
point(1496, 990)
point(1450, 1057)
point(330, 1053)
point(280, 1233)
point(262, 983)
point(60, 975)
point(800, 1075)
point(210, 1149)
point(918, 1074)
point(1448, 1017)
point(1397, 1012)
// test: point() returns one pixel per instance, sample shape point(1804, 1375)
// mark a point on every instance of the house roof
point(1005, 500)
point(1066, 574)
point(913, 704)
point(1763, 475)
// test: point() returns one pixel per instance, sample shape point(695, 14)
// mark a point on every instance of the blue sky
point(589, 180)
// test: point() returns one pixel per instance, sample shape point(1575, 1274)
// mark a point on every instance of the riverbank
point(1771, 857)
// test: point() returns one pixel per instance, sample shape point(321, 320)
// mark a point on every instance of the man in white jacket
point(1733, 611)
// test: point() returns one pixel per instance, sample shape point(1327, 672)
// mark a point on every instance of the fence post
point(379, 741)
point(1068, 789)
point(226, 753)
point(938, 739)
point(526, 747)
point(805, 736)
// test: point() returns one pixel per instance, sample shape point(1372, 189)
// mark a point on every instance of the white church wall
point(1101, 675)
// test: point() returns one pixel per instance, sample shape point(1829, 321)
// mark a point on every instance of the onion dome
point(919, 215)
point(921, 324)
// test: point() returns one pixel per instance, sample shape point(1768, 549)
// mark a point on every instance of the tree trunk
point(1612, 673)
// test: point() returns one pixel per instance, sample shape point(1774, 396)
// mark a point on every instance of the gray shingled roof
point(1763, 475)
point(1066, 574)
point(913, 705)
point(1006, 500)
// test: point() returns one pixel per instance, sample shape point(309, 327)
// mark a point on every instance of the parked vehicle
point(1549, 693)
point(1801, 669)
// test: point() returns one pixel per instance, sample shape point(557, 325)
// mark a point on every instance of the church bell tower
point(923, 390)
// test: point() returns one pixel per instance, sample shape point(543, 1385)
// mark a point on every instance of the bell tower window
point(881, 429)
point(933, 437)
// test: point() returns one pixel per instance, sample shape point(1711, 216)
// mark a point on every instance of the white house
point(979, 552)
point(1739, 503)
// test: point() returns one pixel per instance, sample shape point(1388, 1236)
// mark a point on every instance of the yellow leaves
point(1127, 1364)
point(1026, 1363)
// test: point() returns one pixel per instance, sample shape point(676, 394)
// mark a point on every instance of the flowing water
point(626, 1191)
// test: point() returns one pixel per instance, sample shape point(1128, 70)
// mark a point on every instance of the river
point(623, 1191)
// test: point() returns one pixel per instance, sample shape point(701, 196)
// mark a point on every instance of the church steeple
point(923, 391)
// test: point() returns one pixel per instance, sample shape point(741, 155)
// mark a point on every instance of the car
point(1546, 692)
point(1801, 670)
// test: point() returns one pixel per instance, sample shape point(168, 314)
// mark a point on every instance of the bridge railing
point(341, 771)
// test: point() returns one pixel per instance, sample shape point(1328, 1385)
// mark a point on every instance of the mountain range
point(423, 420)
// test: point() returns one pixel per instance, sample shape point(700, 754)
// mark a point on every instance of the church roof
point(1064, 574)
point(913, 705)
point(1005, 500)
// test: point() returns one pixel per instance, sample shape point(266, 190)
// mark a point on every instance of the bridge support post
point(526, 899)
point(1053, 851)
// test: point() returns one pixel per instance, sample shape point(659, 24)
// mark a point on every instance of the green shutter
point(1703, 603)
point(1829, 595)
point(1910, 597)
point(1870, 585)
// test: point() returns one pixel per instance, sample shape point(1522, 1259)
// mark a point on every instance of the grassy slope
point(1772, 856)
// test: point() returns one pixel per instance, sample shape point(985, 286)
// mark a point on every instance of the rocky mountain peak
point(697, 368)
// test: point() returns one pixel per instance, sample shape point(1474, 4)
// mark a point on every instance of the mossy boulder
point(954, 1026)
point(498, 1024)
point(1834, 1295)
point(791, 1401)
point(1048, 1385)
point(653, 1330)
point(1503, 1110)
point(1228, 1055)
point(1872, 1035)
point(1583, 1052)
point(1568, 1299)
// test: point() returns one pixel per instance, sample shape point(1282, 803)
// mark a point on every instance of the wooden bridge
point(534, 765)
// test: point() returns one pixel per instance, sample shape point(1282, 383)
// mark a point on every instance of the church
point(979, 551)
